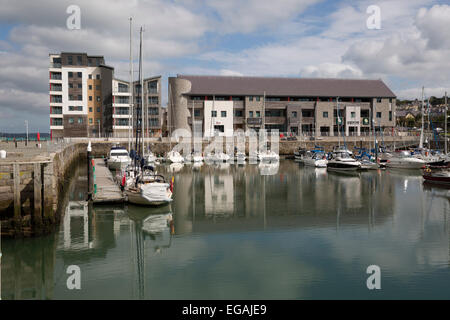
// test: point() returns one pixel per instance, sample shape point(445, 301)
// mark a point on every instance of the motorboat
point(217, 157)
point(342, 161)
point(314, 158)
point(437, 177)
point(268, 156)
point(367, 164)
point(149, 189)
point(194, 157)
point(342, 148)
point(118, 158)
point(240, 157)
point(404, 160)
point(299, 154)
point(151, 158)
point(431, 157)
point(175, 157)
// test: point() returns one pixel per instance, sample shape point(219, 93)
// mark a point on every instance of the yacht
point(217, 157)
point(342, 161)
point(437, 177)
point(404, 160)
point(151, 158)
point(149, 189)
point(194, 157)
point(175, 157)
point(299, 154)
point(240, 157)
point(118, 158)
point(268, 156)
point(315, 158)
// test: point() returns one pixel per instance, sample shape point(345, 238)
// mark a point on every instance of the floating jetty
point(106, 189)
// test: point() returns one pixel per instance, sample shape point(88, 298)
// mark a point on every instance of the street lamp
point(98, 121)
point(26, 126)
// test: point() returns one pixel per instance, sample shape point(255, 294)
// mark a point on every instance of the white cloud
point(434, 24)
point(331, 70)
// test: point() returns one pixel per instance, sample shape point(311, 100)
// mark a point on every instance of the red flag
point(124, 179)
point(38, 137)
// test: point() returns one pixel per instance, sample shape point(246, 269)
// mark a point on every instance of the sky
point(283, 38)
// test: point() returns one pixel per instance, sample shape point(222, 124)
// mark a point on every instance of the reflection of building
point(224, 104)
point(219, 195)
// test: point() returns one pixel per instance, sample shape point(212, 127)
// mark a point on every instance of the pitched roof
point(315, 87)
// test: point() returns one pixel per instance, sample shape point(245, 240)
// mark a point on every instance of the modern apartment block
point(80, 85)
point(118, 115)
point(87, 101)
point(223, 104)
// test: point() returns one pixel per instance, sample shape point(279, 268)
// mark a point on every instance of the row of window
point(281, 113)
point(97, 87)
point(71, 74)
point(275, 99)
point(90, 109)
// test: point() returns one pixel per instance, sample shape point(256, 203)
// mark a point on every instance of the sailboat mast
point(445, 124)
point(141, 80)
point(338, 119)
point(130, 112)
point(421, 130)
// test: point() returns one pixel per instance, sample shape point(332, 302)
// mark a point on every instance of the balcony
point(254, 121)
point(55, 65)
point(275, 120)
point(307, 120)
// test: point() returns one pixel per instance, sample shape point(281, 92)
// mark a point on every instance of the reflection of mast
point(140, 258)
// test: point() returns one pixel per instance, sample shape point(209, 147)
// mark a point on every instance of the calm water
point(247, 232)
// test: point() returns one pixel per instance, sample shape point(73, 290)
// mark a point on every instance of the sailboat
point(146, 187)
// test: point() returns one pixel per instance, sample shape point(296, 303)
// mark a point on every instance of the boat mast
point(141, 81)
point(338, 118)
point(445, 124)
point(421, 130)
point(130, 119)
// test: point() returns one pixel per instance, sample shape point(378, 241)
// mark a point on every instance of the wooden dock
point(107, 189)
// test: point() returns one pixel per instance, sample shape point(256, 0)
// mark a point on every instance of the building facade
point(87, 101)
point(224, 104)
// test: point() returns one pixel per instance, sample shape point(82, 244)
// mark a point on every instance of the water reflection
point(230, 227)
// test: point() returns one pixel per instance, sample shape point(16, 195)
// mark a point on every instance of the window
point(79, 60)
point(238, 113)
point(70, 60)
point(56, 110)
point(390, 115)
point(70, 74)
point(123, 100)
point(213, 114)
point(294, 114)
point(80, 120)
point(57, 121)
point(123, 87)
point(71, 120)
point(153, 111)
point(98, 109)
point(153, 100)
point(153, 87)
point(122, 122)
point(97, 77)
point(223, 114)
point(258, 114)
point(71, 85)
point(90, 87)
point(250, 114)
point(390, 100)
point(97, 87)
point(378, 100)
point(197, 113)
point(90, 98)
point(258, 98)
point(325, 114)
point(378, 114)
point(80, 86)
point(196, 98)
point(90, 109)
point(250, 98)
point(98, 98)
point(353, 115)
point(79, 74)
point(70, 97)
point(90, 120)
point(90, 77)
point(75, 108)
point(153, 122)
point(80, 97)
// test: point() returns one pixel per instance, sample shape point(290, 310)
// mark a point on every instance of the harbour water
point(246, 232)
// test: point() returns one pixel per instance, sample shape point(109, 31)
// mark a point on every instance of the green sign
point(338, 120)
point(365, 121)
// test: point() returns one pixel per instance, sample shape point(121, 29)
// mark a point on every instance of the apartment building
point(86, 100)
point(222, 104)
point(79, 87)
point(119, 117)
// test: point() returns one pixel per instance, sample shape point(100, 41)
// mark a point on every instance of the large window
point(238, 113)
point(121, 122)
point(56, 110)
point(122, 111)
point(353, 115)
point(258, 114)
point(153, 100)
point(123, 87)
point(250, 114)
point(75, 108)
point(123, 100)
point(153, 111)
point(57, 122)
point(153, 122)
point(153, 87)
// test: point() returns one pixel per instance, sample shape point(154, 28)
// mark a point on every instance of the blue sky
point(284, 38)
